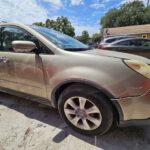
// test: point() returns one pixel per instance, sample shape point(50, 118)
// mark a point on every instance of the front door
point(21, 72)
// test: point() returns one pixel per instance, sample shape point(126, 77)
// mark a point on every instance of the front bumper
point(140, 122)
point(134, 108)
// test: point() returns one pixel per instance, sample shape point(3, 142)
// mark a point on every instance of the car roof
point(119, 36)
point(128, 39)
point(114, 37)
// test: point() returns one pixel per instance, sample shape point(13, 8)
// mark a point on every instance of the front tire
point(86, 110)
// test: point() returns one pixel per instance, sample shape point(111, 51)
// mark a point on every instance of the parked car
point(109, 40)
point(92, 45)
point(137, 46)
point(92, 89)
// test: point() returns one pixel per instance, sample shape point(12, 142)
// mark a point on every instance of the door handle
point(4, 59)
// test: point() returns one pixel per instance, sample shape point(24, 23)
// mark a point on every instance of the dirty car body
point(44, 73)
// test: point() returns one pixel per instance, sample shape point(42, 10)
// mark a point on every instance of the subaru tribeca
point(93, 90)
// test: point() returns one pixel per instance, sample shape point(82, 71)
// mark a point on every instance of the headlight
point(139, 67)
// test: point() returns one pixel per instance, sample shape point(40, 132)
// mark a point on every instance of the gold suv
point(92, 89)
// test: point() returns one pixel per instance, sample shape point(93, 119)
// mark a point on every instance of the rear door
point(140, 47)
point(22, 72)
point(122, 46)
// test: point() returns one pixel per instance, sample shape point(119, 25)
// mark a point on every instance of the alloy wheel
point(82, 113)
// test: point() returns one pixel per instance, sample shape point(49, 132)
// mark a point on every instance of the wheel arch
point(62, 86)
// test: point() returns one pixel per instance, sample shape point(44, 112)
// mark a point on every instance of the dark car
point(92, 45)
point(109, 40)
point(137, 46)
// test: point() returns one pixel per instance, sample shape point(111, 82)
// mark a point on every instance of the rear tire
point(86, 110)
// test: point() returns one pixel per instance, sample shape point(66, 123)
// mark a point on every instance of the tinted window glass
point(10, 34)
point(123, 43)
point(146, 43)
point(136, 43)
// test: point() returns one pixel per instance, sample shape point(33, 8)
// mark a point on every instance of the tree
point(39, 24)
point(64, 25)
point(50, 24)
point(85, 37)
point(147, 15)
point(61, 24)
point(132, 13)
point(109, 20)
point(96, 37)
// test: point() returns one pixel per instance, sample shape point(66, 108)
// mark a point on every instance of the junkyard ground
point(26, 125)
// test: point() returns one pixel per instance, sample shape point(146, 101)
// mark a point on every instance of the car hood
point(98, 52)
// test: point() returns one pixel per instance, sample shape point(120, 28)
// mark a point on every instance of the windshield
point(61, 40)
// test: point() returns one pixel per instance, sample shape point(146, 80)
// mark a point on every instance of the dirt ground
point(26, 125)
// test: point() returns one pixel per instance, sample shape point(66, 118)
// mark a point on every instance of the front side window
point(10, 34)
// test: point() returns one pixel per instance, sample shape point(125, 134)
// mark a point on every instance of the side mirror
point(23, 46)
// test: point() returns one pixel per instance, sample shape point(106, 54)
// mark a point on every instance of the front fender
point(102, 80)
point(109, 74)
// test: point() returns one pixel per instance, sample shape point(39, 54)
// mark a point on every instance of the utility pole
point(148, 2)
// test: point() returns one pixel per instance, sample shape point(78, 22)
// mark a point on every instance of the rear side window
point(136, 43)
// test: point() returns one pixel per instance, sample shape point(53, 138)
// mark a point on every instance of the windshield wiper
point(77, 49)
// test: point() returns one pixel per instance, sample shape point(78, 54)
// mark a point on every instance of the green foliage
point(110, 19)
point(147, 15)
point(133, 13)
point(61, 24)
point(84, 38)
point(96, 37)
point(39, 24)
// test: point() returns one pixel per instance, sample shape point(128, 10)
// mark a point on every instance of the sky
point(83, 14)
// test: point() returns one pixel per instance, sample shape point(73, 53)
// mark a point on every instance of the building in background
point(137, 30)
